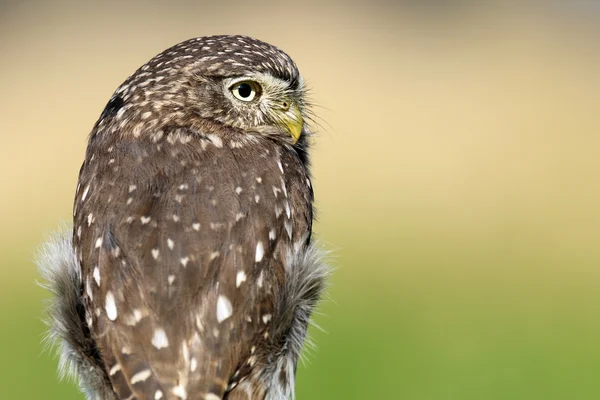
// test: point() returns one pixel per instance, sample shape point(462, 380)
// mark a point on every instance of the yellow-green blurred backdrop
point(456, 174)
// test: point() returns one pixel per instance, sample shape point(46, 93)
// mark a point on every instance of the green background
point(456, 175)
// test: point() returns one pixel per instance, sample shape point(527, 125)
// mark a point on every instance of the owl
point(190, 271)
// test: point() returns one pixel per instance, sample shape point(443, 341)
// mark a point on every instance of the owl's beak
point(291, 119)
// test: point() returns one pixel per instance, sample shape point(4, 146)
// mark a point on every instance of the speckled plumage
point(191, 273)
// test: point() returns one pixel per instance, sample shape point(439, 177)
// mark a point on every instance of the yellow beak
point(292, 121)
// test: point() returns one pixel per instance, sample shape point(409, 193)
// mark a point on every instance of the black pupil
point(244, 90)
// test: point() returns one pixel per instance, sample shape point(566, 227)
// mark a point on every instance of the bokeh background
point(456, 172)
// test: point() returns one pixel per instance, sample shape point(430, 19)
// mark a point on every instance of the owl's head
point(236, 81)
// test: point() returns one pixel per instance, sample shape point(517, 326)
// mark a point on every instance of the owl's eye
point(245, 91)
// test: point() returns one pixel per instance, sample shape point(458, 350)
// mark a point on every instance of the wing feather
point(188, 240)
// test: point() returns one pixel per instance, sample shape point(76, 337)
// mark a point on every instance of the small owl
point(190, 272)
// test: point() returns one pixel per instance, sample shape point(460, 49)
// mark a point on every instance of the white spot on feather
point(85, 192)
point(224, 308)
point(239, 278)
point(88, 288)
point(97, 275)
point(259, 281)
point(116, 368)
point(141, 376)
point(260, 252)
point(111, 307)
point(185, 351)
point(288, 212)
point(159, 339)
point(215, 140)
point(179, 391)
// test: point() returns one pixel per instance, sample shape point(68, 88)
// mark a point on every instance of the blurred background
point(456, 174)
